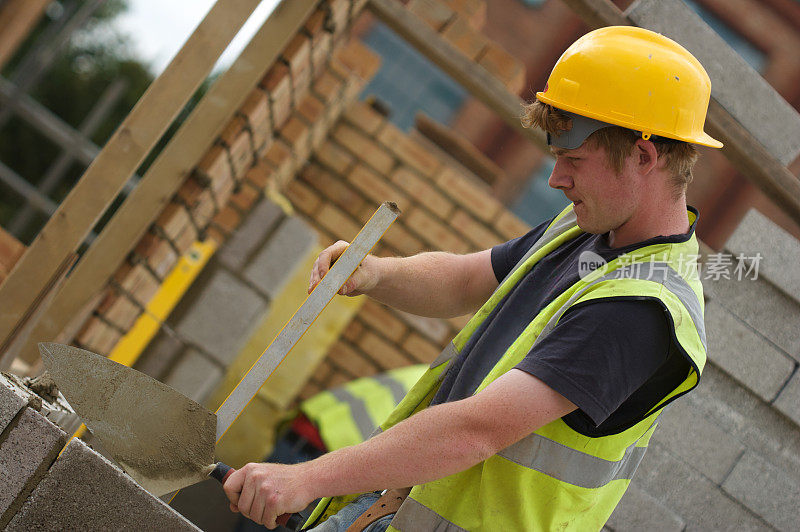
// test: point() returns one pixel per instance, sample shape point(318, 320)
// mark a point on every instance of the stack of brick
point(459, 22)
point(367, 160)
point(270, 136)
point(44, 486)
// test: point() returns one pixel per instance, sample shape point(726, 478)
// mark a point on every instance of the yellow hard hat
point(634, 78)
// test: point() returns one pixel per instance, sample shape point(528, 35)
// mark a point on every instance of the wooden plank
point(123, 153)
point(17, 19)
point(462, 69)
point(170, 169)
point(741, 148)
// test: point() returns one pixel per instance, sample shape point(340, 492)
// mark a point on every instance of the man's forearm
point(432, 444)
point(434, 284)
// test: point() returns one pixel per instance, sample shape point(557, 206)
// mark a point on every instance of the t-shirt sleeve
point(602, 352)
point(506, 255)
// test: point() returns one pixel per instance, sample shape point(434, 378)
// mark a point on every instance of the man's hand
point(263, 492)
point(363, 279)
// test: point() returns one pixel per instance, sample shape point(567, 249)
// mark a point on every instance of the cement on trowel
point(162, 439)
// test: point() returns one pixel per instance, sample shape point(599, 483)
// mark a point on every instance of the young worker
point(537, 415)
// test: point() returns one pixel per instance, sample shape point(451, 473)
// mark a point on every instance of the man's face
point(604, 200)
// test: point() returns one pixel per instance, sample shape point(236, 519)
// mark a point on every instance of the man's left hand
point(263, 492)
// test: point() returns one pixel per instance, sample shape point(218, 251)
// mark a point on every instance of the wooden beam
point(744, 152)
point(17, 19)
point(170, 169)
point(473, 77)
point(123, 153)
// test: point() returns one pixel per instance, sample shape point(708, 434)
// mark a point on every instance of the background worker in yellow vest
point(538, 413)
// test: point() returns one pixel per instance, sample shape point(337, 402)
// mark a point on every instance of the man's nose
point(559, 177)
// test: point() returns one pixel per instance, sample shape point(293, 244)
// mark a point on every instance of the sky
point(158, 28)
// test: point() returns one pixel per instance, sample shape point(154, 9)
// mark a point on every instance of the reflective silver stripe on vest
point(568, 465)
point(396, 387)
point(447, 353)
point(558, 228)
point(658, 272)
point(358, 410)
point(413, 516)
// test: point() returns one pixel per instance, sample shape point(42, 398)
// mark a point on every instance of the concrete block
point(639, 511)
point(745, 418)
point(698, 441)
point(745, 354)
point(761, 306)
point(250, 235)
point(766, 490)
point(273, 263)
point(11, 402)
point(194, 375)
point(780, 251)
point(699, 502)
point(160, 355)
point(219, 314)
point(83, 490)
point(734, 83)
point(31, 445)
point(788, 401)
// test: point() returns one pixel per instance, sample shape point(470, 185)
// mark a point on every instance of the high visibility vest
point(349, 414)
point(555, 478)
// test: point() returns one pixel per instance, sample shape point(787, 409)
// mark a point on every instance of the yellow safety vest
point(555, 478)
point(349, 414)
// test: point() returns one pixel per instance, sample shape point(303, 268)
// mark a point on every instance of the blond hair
point(617, 142)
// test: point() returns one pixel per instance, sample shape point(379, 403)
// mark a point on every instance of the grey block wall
point(43, 488)
point(227, 301)
point(727, 456)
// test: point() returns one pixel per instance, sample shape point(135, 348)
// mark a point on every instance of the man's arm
point(436, 284)
point(431, 444)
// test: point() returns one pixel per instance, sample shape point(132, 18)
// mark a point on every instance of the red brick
point(215, 165)
point(184, 240)
point(399, 238)
point(303, 198)
point(137, 281)
point(337, 222)
point(346, 357)
point(379, 318)
point(503, 66)
point(421, 349)
point(359, 59)
point(172, 220)
point(227, 219)
point(423, 191)
point(434, 13)
point(261, 174)
point(256, 108)
point(241, 154)
point(477, 233)
point(335, 157)
point(386, 355)
point(362, 146)
point(472, 10)
point(98, 337)
point(510, 226)
point(363, 116)
point(376, 187)
point(338, 378)
point(278, 154)
point(320, 49)
point(353, 330)
point(296, 134)
point(333, 189)
point(474, 197)
point(158, 253)
point(245, 198)
point(327, 86)
point(234, 127)
point(465, 38)
point(119, 310)
point(311, 109)
point(434, 232)
point(409, 150)
point(297, 53)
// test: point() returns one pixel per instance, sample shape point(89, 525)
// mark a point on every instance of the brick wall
point(366, 160)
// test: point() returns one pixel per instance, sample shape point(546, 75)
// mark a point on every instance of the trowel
point(162, 439)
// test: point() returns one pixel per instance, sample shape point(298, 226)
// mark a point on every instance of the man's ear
point(647, 156)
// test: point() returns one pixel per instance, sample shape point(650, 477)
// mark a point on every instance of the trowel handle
point(222, 471)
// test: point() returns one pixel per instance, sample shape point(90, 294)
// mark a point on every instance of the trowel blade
point(161, 438)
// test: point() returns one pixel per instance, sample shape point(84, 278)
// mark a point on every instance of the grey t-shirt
point(614, 359)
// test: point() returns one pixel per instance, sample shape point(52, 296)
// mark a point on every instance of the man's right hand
point(363, 279)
